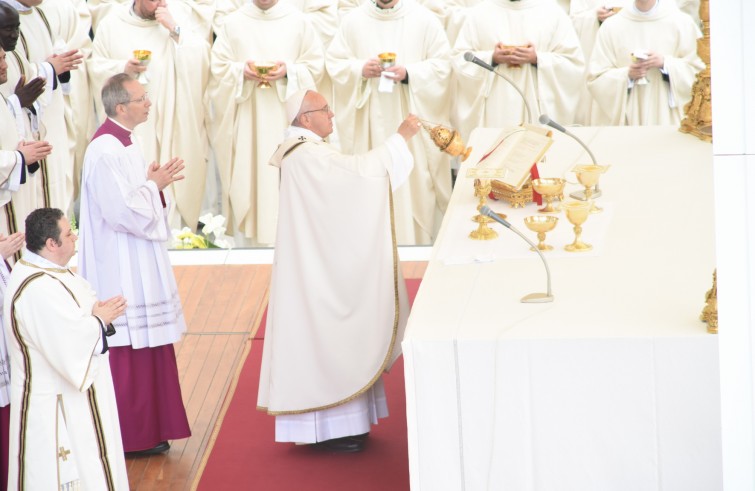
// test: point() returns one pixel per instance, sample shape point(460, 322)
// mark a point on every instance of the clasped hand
point(163, 175)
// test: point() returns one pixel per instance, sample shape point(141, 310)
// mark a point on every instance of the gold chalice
point(541, 225)
point(550, 188)
point(387, 60)
point(577, 213)
point(588, 176)
point(262, 69)
point(447, 140)
point(483, 232)
point(144, 56)
point(615, 10)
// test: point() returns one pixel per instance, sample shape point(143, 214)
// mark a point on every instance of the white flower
point(212, 224)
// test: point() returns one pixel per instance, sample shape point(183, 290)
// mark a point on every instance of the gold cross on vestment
point(63, 453)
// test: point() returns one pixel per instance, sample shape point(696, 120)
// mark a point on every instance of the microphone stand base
point(580, 195)
point(537, 298)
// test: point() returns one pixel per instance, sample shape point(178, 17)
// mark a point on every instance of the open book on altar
point(512, 155)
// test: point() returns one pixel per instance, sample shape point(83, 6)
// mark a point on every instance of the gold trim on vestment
point(53, 270)
point(99, 431)
point(26, 393)
point(396, 318)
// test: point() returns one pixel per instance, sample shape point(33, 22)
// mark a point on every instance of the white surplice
point(10, 169)
point(336, 262)
point(122, 233)
point(64, 421)
point(664, 30)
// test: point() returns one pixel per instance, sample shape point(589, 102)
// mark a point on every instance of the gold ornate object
point(551, 188)
point(483, 232)
point(262, 69)
point(517, 198)
point(588, 176)
point(448, 140)
point(144, 56)
point(698, 119)
point(577, 213)
point(710, 311)
point(387, 60)
point(541, 225)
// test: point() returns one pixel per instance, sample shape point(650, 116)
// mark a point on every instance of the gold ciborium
point(550, 188)
point(447, 140)
point(144, 56)
point(483, 232)
point(387, 60)
point(541, 225)
point(262, 69)
point(577, 213)
point(588, 176)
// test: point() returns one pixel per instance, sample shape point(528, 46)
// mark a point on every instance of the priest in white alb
point(123, 227)
point(248, 115)
point(643, 65)
point(64, 421)
point(372, 97)
point(533, 43)
point(336, 261)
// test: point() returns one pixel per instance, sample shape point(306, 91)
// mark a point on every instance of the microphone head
point(485, 210)
point(469, 56)
point(544, 119)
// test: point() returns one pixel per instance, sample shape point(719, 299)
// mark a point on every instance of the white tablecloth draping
point(613, 386)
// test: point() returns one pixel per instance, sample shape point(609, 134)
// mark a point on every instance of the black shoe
point(161, 447)
point(342, 445)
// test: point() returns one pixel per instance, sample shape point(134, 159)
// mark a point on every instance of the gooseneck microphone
point(532, 297)
point(470, 57)
point(544, 119)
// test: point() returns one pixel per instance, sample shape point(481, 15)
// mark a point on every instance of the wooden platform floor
point(222, 305)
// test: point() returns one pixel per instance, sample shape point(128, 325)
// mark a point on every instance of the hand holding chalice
point(262, 69)
point(144, 56)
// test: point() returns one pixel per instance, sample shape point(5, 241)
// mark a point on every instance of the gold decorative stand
point(483, 232)
point(710, 311)
point(698, 120)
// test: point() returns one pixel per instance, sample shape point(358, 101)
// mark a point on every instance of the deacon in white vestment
point(653, 89)
point(49, 59)
point(533, 43)
point(250, 117)
point(123, 227)
point(178, 74)
point(371, 100)
point(64, 422)
point(336, 260)
point(17, 185)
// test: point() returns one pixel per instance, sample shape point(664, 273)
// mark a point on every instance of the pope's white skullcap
point(293, 105)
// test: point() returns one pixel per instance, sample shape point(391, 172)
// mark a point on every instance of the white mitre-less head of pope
point(293, 105)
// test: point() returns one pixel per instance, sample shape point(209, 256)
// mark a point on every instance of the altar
point(614, 385)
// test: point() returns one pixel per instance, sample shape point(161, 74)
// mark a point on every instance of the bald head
point(315, 114)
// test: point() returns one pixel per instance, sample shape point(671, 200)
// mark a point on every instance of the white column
point(733, 79)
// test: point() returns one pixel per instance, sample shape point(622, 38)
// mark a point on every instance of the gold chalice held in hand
point(144, 56)
point(448, 140)
point(262, 69)
point(387, 60)
point(577, 213)
point(588, 176)
point(482, 189)
point(550, 188)
point(541, 225)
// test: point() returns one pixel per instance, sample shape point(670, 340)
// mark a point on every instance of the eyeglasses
point(325, 109)
point(143, 98)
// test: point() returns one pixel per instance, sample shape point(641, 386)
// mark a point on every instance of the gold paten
point(698, 119)
point(550, 188)
point(710, 311)
point(483, 232)
point(517, 198)
point(448, 140)
point(541, 225)
point(577, 213)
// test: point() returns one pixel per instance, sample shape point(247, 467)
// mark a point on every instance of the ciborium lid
point(447, 140)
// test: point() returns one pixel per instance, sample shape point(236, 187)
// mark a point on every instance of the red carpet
point(245, 457)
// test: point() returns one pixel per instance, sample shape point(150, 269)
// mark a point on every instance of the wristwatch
point(176, 32)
